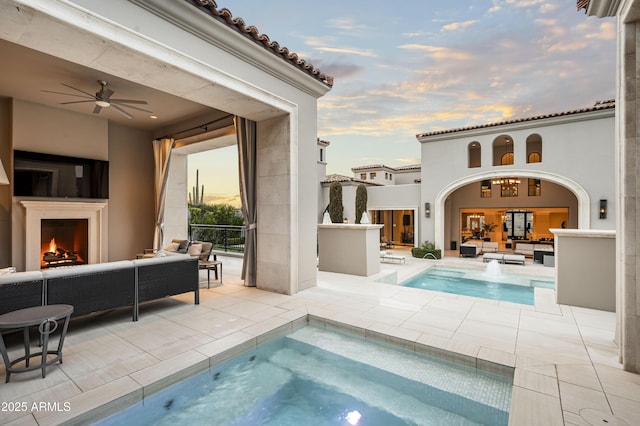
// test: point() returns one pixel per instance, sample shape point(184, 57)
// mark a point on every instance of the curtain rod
point(203, 127)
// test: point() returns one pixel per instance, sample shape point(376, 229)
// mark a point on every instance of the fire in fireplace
point(64, 242)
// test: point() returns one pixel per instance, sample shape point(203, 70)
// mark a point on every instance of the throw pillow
point(172, 247)
point(195, 249)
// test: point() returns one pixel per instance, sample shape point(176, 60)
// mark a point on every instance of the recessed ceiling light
point(153, 117)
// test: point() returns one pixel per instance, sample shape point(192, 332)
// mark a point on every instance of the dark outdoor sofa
point(20, 290)
point(91, 288)
point(159, 277)
point(103, 286)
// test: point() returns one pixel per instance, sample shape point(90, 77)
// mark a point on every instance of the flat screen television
point(57, 176)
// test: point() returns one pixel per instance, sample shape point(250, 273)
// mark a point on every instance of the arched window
point(503, 150)
point(474, 154)
point(534, 148)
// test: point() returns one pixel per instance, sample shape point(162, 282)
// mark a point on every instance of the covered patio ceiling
point(40, 53)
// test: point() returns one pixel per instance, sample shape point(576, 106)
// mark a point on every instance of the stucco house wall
point(577, 152)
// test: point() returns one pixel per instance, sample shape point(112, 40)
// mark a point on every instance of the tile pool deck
point(564, 358)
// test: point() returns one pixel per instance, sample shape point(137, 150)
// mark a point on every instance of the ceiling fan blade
point(97, 109)
point(121, 111)
point(81, 91)
point(76, 102)
point(68, 94)
point(129, 101)
point(130, 106)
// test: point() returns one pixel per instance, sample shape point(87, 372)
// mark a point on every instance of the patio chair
point(385, 243)
point(206, 263)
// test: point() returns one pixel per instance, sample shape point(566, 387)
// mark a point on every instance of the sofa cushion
point(195, 249)
point(153, 260)
point(87, 269)
point(20, 276)
point(489, 246)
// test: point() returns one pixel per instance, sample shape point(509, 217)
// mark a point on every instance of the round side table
point(46, 319)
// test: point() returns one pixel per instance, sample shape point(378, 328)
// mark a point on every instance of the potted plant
point(486, 228)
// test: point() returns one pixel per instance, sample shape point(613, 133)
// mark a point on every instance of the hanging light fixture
point(506, 181)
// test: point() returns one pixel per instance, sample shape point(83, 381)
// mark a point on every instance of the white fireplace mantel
point(38, 210)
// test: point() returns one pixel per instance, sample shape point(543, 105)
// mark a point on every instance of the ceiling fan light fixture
point(102, 103)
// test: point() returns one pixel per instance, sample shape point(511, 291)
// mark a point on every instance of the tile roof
point(599, 105)
point(342, 178)
point(251, 32)
point(370, 167)
point(409, 167)
point(382, 166)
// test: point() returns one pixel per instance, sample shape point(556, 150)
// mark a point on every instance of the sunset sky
point(418, 66)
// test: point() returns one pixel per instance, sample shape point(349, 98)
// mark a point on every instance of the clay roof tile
point(224, 15)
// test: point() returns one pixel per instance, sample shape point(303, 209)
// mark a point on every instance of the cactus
point(196, 198)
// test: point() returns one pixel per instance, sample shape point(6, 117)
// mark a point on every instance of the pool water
point(507, 288)
point(314, 376)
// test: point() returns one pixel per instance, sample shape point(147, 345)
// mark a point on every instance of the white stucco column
point(628, 207)
point(277, 255)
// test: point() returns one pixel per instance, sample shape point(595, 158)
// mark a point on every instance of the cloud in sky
point(437, 65)
point(454, 26)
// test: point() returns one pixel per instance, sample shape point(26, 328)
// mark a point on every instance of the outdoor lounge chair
point(386, 256)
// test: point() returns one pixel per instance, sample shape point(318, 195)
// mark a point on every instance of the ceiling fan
point(102, 99)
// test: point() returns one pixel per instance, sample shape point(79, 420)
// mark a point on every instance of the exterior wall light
point(427, 210)
point(603, 209)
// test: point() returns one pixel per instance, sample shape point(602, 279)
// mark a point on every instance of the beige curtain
point(246, 135)
point(162, 156)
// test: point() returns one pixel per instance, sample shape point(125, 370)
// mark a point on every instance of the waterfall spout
point(493, 269)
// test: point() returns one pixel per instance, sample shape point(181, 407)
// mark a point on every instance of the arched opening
point(502, 150)
point(464, 196)
point(534, 148)
point(474, 151)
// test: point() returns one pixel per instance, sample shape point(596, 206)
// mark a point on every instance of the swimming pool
point(503, 287)
point(320, 377)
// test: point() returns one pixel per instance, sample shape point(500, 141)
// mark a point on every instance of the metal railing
point(227, 238)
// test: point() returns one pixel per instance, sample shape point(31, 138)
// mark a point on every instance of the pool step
point(448, 377)
point(404, 405)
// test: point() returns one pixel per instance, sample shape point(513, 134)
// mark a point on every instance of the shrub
point(428, 250)
point(335, 202)
point(361, 201)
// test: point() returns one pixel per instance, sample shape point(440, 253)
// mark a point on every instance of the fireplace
point(63, 242)
point(86, 222)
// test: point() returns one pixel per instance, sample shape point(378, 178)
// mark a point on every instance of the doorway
point(399, 226)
